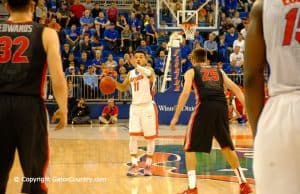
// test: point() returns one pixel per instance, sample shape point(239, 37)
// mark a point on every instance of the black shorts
point(209, 120)
point(23, 127)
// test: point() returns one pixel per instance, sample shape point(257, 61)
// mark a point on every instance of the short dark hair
point(17, 5)
point(140, 51)
point(199, 55)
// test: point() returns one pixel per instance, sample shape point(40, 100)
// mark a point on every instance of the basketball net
point(189, 30)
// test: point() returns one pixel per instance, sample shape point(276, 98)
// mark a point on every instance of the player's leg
point(7, 143)
point(135, 130)
point(191, 165)
point(33, 143)
point(222, 135)
point(198, 139)
point(277, 145)
point(149, 123)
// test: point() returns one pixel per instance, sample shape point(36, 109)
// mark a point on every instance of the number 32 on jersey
point(6, 51)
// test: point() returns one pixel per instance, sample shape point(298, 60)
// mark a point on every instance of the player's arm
point(147, 71)
point(234, 88)
point(59, 83)
point(184, 96)
point(255, 60)
point(123, 86)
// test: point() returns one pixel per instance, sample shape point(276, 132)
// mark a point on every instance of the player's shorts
point(277, 146)
point(210, 119)
point(143, 120)
point(23, 121)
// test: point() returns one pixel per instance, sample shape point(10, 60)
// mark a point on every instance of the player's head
point(20, 5)
point(198, 56)
point(140, 57)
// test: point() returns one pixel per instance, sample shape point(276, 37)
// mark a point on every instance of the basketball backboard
point(172, 13)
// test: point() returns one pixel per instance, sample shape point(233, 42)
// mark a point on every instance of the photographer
point(110, 113)
point(80, 113)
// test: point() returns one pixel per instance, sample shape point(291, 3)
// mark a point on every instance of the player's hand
point(62, 117)
point(173, 123)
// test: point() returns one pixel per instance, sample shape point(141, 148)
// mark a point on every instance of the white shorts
point(143, 120)
point(277, 146)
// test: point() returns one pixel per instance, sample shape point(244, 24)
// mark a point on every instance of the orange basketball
point(107, 85)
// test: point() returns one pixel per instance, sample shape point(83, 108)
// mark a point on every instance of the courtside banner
point(166, 104)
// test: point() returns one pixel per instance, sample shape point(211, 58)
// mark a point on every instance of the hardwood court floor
point(93, 160)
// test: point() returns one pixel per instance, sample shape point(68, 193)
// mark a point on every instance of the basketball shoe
point(147, 171)
point(133, 170)
point(245, 188)
point(190, 191)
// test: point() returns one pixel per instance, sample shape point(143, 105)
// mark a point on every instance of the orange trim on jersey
point(156, 118)
point(192, 119)
point(136, 134)
point(45, 167)
point(151, 137)
point(43, 81)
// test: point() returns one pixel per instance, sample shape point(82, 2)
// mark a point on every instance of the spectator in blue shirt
point(52, 5)
point(84, 60)
point(163, 36)
point(86, 46)
point(187, 64)
point(230, 37)
point(85, 31)
point(151, 32)
point(185, 50)
point(211, 47)
point(65, 54)
point(144, 47)
point(199, 37)
point(71, 70)
point(160, 63)
point(90, 81)
point(223, 50)
point(87, 19)
point(97, 62)
point(134, 22)
point(72, 36)
point(231, 6)
point(111, 36)
point(96, 44)
point(101, 22)
point(162, 47)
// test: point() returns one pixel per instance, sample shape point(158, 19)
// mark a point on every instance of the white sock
point(240, 175)
point(149, 161)
point(134, 160)
point(192, 178)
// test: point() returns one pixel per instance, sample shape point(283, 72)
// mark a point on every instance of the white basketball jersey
point(281, 20)
point(140, 87)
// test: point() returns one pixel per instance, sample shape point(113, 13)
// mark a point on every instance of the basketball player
point(210, 118)
point(274, 37)
point(25, 47)
point(143, 112)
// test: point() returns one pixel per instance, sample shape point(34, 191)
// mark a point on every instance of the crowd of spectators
point(98, 41)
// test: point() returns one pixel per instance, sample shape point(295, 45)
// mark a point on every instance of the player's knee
point(114, 119)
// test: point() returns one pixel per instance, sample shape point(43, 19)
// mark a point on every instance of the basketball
point(107, 85)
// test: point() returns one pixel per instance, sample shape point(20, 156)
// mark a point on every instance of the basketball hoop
point(189, 30)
